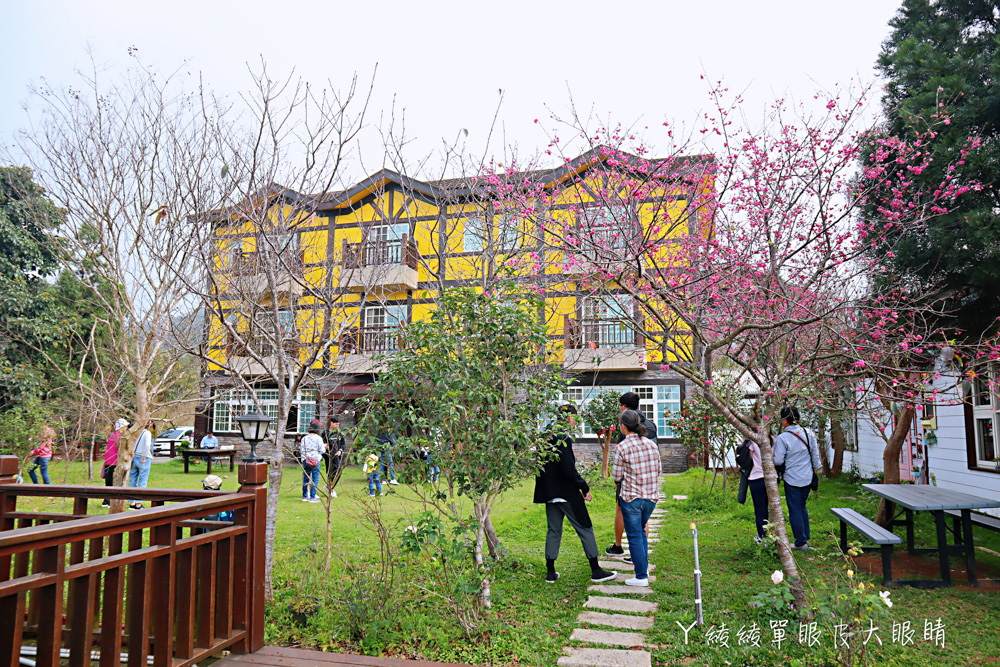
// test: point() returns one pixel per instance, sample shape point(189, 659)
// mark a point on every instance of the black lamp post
point(254, 429)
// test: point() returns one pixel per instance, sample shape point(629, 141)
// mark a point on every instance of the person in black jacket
point(563, 491)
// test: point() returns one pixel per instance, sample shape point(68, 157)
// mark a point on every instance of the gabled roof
point(467, 186)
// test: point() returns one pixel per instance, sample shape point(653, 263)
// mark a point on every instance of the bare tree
point(132, 161)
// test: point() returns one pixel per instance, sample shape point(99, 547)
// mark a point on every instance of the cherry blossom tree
point(751, 256)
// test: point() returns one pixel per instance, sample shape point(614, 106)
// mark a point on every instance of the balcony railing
point(602, 344)
point(380, 253)
point(256, 263)
point(371, 340)
point(170, 584)
point(600, 333)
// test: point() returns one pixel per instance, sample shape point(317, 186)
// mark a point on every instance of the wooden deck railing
point(161, 583)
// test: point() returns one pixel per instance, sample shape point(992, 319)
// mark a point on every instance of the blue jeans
point(310, 480)
point(798, 515)
point(373, 482)
point(387, 469)
point(636, 513)
point(138, 474)
point(43, 463)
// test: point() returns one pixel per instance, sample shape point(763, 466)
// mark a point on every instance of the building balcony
point(602, 345)
point(267, 361)
point(363, 349)
point(385, 266)
point(254, 273)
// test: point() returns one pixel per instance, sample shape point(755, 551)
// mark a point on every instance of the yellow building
point(326, 285)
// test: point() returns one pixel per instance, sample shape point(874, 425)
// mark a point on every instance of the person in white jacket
point(142, 461)
point(311, 454)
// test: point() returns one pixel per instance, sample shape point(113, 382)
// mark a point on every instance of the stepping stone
point(622, 576)
point(620, 565)
point(607, 637)
point(611, 589)
point(615, 620)
point(619, 604)
point(604, 657)
point(680, 497)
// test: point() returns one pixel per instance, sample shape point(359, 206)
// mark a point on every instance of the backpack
point(744, 458)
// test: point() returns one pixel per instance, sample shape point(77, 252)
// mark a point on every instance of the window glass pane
point(668, 402)
point(220, 417)
point(475, 233)
point(508, 232)
point(986, 437)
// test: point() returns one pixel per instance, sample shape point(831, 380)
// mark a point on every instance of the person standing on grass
point(754, 476)
point(387, 442)
point(311, 453)
point(637, 468)
point(564, 492)
point(142, 461)
point(111, 456)
point(371, 470)
point(334, 454)
point(628, 401)
point(796, 448)
point(42, 454)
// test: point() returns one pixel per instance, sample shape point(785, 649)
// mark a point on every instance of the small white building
point(954, 441)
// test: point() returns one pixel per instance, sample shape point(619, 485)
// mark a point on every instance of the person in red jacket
point(111, 456)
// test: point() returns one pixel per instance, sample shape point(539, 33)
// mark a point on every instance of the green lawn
point(531, 621)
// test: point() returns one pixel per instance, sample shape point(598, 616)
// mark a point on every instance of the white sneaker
point(635, 581)
point(382, 493)
point(394, 482)
point(305, 500)
point(333, 494)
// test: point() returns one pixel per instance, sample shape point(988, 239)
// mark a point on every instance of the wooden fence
point(170, 584)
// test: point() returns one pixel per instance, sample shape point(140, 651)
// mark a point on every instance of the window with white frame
point(475, 236)
point(236, 403)
point(508, 232)
point(381, 326)
point(986, 415)
point(657, 402)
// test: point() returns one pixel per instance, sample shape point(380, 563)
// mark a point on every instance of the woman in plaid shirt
point(637, 467)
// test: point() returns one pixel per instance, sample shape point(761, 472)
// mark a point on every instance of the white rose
point(885, 598)
point(777, 577)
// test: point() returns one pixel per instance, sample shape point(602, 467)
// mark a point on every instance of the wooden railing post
point(250, 568)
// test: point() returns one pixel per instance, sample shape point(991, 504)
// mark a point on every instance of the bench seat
point(984, 520)
point(885, 539)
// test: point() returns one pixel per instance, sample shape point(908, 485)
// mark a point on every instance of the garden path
point(594, 644)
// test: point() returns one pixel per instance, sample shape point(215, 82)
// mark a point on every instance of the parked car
point(179, 437)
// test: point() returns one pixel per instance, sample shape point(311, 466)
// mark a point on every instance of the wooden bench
point(986, 521)
point(872, 531)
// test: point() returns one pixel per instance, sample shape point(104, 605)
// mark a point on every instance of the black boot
point(598, 573)
point(550, 571)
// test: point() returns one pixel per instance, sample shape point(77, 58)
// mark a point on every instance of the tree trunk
point(492, 540)
point(776, 522)
point(890, 461)
point(605, 454)
point(482, 510)
point(838, 441)
point(824, 460)
point(274, 472)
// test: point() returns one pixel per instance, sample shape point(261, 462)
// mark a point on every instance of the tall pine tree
point(942, 65)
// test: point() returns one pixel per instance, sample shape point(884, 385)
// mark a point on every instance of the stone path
point(622, 609)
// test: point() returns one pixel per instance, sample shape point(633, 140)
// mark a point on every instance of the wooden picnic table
point(208, 454)
point(921, 498)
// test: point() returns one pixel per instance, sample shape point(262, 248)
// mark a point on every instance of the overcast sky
point(445, 61)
